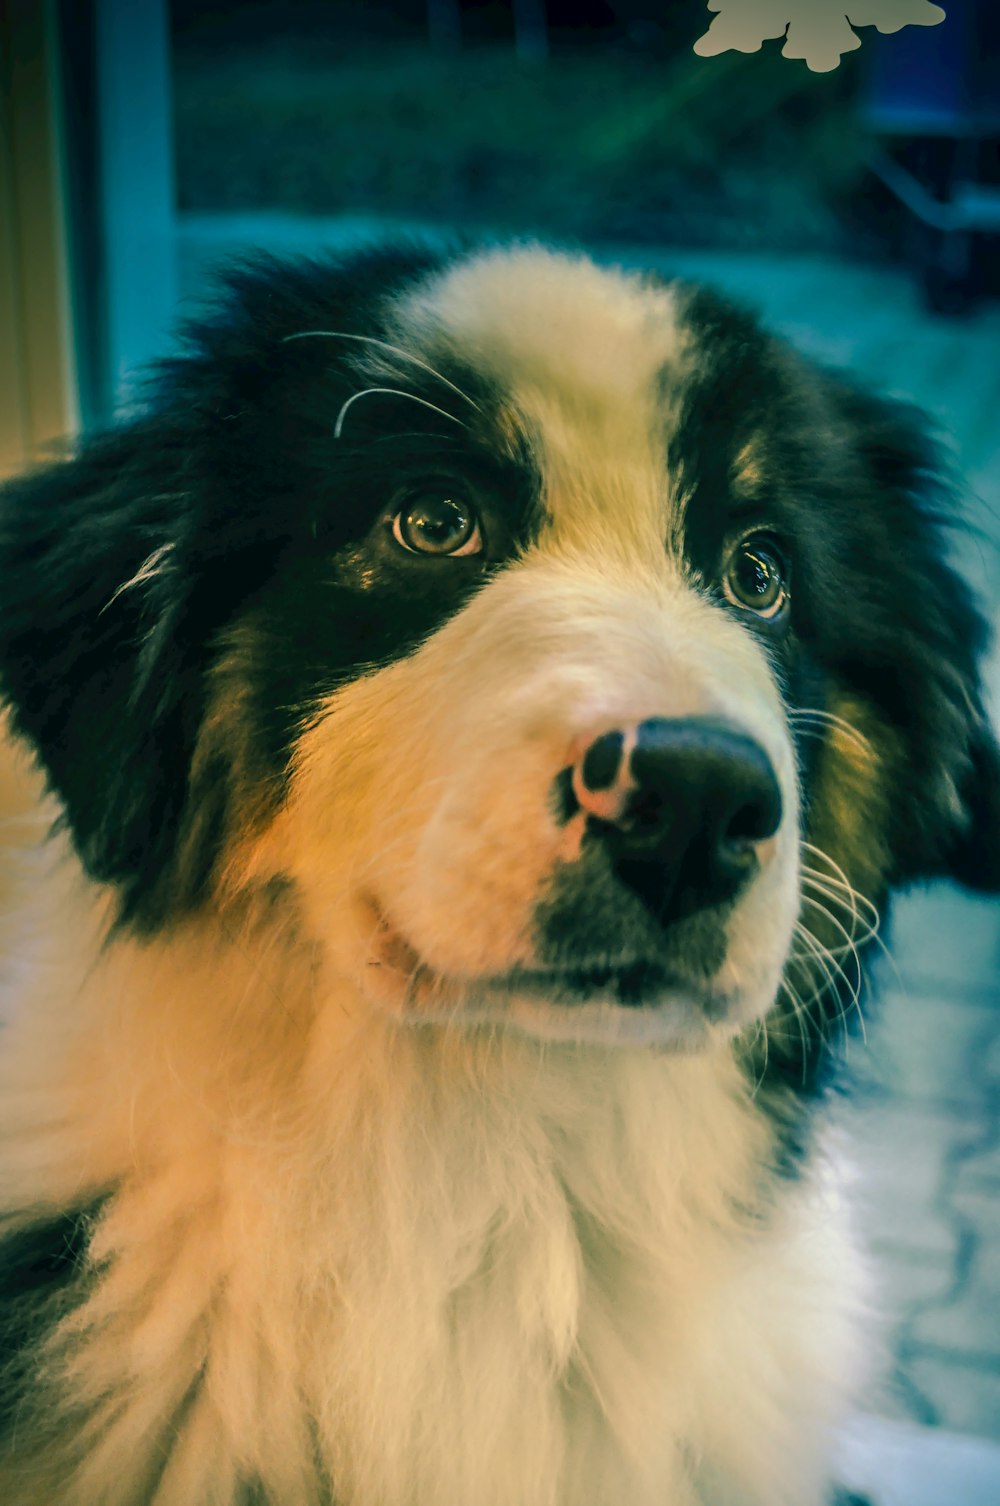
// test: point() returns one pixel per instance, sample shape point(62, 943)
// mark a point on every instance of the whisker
point(869, 936)
point(858, 936)
point(396, 350)
point(761, 1030)
point(815, 714)
point(825, 957)
point(855, 898)
point(839, 879)
point(843, 895)
point(829, 960)
point(816, 953)
point(849, 948)
point(804, 729)
point(798, 1014)
point(393, 392)
point(841, 1017)
point(822, 853)
point(861, 899)
point(834, 898)
point(751, 1057)
point(414, 434)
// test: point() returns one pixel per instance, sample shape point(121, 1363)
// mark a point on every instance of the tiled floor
point(926, 1125)
point(927, 1134)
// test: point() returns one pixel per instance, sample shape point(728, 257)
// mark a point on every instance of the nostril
point(602, 761)
point(755, 820)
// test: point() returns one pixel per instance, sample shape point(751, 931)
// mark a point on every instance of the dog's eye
point(757, 577)
point(436, 524)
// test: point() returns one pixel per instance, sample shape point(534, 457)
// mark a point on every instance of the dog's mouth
point(637, 985)
point(638, 1001)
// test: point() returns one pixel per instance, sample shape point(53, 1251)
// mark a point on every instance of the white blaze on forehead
point(583, 357)
point(532, 317)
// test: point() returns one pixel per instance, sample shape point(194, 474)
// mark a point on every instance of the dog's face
point(556, 647)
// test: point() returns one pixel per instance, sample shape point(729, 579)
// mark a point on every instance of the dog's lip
point(637, 984)
point(637, 987)
point(389, 946)
point(393, 967)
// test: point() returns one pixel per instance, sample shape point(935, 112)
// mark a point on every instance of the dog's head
point(563, 648)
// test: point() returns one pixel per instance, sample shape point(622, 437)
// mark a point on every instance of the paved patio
point(926, 1125)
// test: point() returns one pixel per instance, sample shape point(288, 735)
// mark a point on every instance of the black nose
point(695, 798)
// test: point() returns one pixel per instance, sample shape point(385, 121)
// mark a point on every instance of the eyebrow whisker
point(415, 434)
point(397, 350)
point(394, 392)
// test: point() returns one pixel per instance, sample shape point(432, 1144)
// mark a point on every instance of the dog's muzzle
point(678, 817)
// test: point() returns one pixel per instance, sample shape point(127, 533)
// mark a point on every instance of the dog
point(477, 705)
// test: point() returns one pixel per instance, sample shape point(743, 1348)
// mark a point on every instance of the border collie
point(480, 701)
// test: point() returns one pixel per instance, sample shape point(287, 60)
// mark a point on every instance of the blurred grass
point(599, 143)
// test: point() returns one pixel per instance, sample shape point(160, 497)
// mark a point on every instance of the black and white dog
point(482, 700)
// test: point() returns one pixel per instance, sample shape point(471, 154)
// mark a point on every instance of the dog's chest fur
point(459, 1271)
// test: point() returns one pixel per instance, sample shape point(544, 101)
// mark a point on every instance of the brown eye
point(434, 524)
point(757, 577)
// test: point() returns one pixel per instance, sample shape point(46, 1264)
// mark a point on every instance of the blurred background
point(143, 142)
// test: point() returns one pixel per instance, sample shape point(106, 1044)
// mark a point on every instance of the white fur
point(363, 1230)
point(451, 1266)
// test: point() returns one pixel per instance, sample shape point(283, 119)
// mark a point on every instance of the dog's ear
point(923, 649)
point(95, 678)
point(120, 570)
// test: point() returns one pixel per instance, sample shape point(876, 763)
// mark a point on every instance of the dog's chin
point(632, 1005)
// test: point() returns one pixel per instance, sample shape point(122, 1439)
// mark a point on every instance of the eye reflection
point(756, 577)
point(436, 524)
